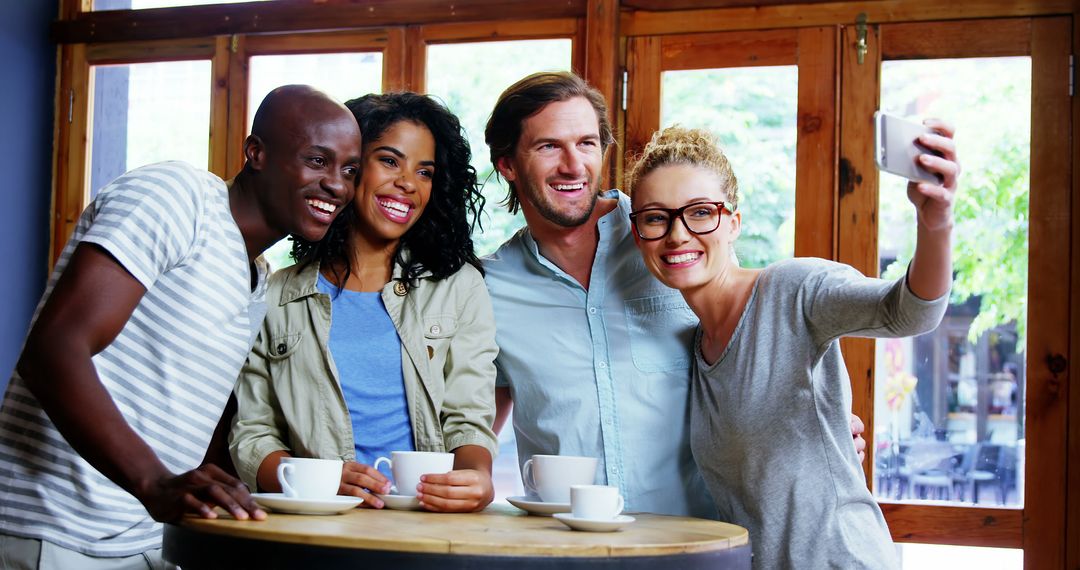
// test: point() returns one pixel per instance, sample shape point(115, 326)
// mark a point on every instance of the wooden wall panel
point(1048, 296)
point(930, 40)
point(857, 218)
point(395, 57)
point(601, 45)
point(297, 15)
point(817, 148)
point(643, 97)
point(238, 88)
point(71, 157)
point(498, 30)
point(219, 109)
point(415, 60)
point(1072, 528)
point(729, 49)
point(644, 23)
point(602, 65)
point(963, 526)
point(172, 50)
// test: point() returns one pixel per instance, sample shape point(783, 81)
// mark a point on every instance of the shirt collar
point(614, 221)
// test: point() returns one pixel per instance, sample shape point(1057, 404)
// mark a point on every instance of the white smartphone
point(896, 150)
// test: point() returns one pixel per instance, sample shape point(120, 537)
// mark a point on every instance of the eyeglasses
point(699, 218)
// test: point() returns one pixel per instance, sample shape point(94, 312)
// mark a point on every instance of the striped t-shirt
point(170, 370)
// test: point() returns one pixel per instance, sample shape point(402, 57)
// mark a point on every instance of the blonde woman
point(770, 396)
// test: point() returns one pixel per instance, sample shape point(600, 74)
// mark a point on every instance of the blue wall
point(28, 73)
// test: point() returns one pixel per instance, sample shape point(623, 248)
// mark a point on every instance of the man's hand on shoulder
point(857, 429)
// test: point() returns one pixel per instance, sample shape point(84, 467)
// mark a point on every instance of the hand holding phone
point(896, 148)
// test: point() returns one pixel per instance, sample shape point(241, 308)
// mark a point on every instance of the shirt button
point(282, 348)
point(603, 365)
point(592, 310)
point(435, 329)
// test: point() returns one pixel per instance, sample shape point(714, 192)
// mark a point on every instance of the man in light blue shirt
point(594, 353)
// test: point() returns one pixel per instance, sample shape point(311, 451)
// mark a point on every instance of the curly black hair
point(441, 240)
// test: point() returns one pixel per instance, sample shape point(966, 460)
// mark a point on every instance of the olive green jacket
point(289, 392)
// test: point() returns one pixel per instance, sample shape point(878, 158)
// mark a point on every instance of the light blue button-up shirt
point(603, 372)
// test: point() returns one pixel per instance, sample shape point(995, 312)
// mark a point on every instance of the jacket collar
point(303, 282)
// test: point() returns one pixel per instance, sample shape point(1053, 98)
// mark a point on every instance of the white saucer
point(538, 507)
point(594, 525)
point(279, 503)
point(400, 502)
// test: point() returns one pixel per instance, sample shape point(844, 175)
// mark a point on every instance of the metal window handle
point(860, 33)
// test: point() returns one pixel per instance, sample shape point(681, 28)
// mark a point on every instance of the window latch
point(860, 37)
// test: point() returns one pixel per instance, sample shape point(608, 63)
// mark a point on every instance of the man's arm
point(92, 301)
point(217, 452)
point(504, 404)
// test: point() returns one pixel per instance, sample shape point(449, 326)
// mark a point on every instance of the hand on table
point(198, 491)
point(459, 491)
point(357, 479)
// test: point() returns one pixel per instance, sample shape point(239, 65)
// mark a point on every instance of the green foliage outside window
point(988, 100)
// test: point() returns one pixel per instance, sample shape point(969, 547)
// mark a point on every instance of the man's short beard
point(553, 215)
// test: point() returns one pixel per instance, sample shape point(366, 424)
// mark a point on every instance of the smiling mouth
point(323, 210)
point(569, 187)
point(681, 258)
point(396, 210)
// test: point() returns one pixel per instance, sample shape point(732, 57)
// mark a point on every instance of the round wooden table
point(499, 537)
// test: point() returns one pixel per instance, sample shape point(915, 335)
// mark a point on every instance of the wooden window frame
point(1038, 526)
point(813, 50)
point(389, 41)
point(71, 190)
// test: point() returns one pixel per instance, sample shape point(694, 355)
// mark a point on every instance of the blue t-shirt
point(367, 353)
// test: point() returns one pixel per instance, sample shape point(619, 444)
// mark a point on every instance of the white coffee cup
point(306, 478)
point(595, 502)
point(408, 466)
point(550, 476)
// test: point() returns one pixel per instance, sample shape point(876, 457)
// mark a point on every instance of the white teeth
point(568, 187)
point(681, 258)
point(322, 206)
point(395, 206)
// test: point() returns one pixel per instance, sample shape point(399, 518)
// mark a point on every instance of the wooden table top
point(498, 530)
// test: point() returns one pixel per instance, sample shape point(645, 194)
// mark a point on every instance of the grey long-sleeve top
point(770, 418)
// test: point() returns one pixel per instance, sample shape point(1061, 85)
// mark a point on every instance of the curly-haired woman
point(381, 337)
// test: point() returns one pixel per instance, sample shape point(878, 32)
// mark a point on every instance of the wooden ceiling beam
point(311, 15)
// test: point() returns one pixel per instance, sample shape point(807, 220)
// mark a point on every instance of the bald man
point(144, 325)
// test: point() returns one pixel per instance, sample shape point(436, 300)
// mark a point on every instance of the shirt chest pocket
point(661, 330)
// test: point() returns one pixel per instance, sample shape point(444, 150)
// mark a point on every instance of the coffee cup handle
point(618, 509)
point(283, 470)
point(390, 462)
point(527, 478)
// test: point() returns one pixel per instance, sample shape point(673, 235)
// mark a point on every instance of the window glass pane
point(949, 410)
point(940, 557)
point(753, 111)
point(148, 112)
point(469, 90)
point(343, 76)
point(139, 4)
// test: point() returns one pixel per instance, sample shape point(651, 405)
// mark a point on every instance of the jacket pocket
point(440, 326)
point(282, 346)
point(661, 329)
